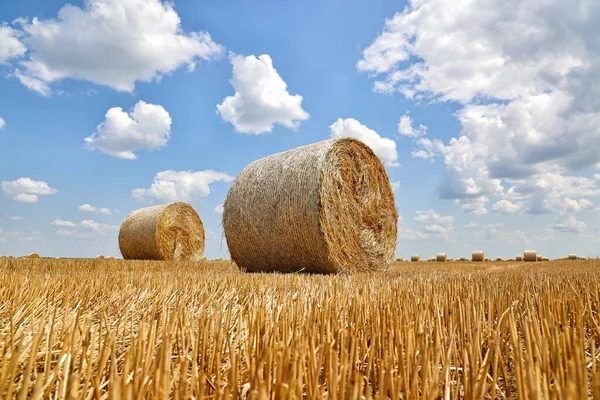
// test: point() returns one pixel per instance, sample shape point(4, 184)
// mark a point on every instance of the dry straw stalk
point(171, 231)
point(326, 207)
point(478, 255)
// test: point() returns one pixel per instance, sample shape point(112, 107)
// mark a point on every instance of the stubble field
point(121, 329)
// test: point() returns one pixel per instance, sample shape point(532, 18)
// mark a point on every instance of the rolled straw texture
point(477, 255)
point(441, 257)
point(171, 231)
point(572, 256)
point(415, 258)
point(530, 255)
point(326, 207)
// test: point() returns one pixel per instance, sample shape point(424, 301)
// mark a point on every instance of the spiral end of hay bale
point(572, 256)
point(327, 207)
point(441, 257)
point(415, 258)
point(33, 255)
point(171, 231)
point(477, 255)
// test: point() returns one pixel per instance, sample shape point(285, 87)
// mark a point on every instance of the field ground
point(122, 329)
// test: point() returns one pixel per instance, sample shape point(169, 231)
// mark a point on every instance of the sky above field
point(486, 114)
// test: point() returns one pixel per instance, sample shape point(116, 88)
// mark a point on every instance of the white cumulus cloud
point(434, 222)
point(529, 110)
point(2, 123)
point(219, 209)
point(26, 190)
point(261, 97)
point(110, 42)
point(63, 224)
point(506, 207)
point(94, 209)
point(568, 223)
point(10, 44)
point(405, 127)
point(146, 127)
point(384, 148)
point(180, 185)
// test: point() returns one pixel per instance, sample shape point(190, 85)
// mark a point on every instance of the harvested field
point(157, 329)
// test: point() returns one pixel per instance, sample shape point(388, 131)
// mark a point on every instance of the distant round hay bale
point(171, 231)
point(33, 255)
point(110, 258)
point(441, 257)
point(486, 259)
point(499, 259)
point(545, 259)
point(100, 257)
point(477, 255)
point(538, 258)
point(326, 207)
point(463, 258)
point(519, 258)
point(572, 256)
point(415, 258)
point(511, 259)
point(218, 259)
point(530, 255)
point(399, 259)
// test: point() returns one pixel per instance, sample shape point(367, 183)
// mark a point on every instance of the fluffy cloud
point(568, 223)
point(261, 98)
point(85, 229)
point(98, 210)
point(506, 207)
point(219, 209)
point(573, 205)
point(146, 127)
point(2, 123)
point(529, 109)
point(395, 185)
point(434, 222)
point(180, 185)
point(405, 127)
point(10, 45)
point(63, 224)
point(26, 190)
point(475, 206)
point(110, 42)
point(384, 148)
point(15, 218)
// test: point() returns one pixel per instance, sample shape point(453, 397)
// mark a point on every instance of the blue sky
point(491, 142)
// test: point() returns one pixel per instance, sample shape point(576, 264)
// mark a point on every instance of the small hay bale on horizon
point(499, 259)
point(326, 207)
point(519, 258)
point(478, 255)
point(441, 257)
point(167, 232)
point(33, 255)
point(100, 257)
point(545, 259)
point(530, 256)
point(572, 256)
point(462, 258)
point(415, 258)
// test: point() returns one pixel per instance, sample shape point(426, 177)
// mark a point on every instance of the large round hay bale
point(171, 231)
point(415, 258)
point(530, 255)
point(441, 257)
point(477, 255)
point(326, 207)
point(33, 255)
point(519, 258)
point(572, 256)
